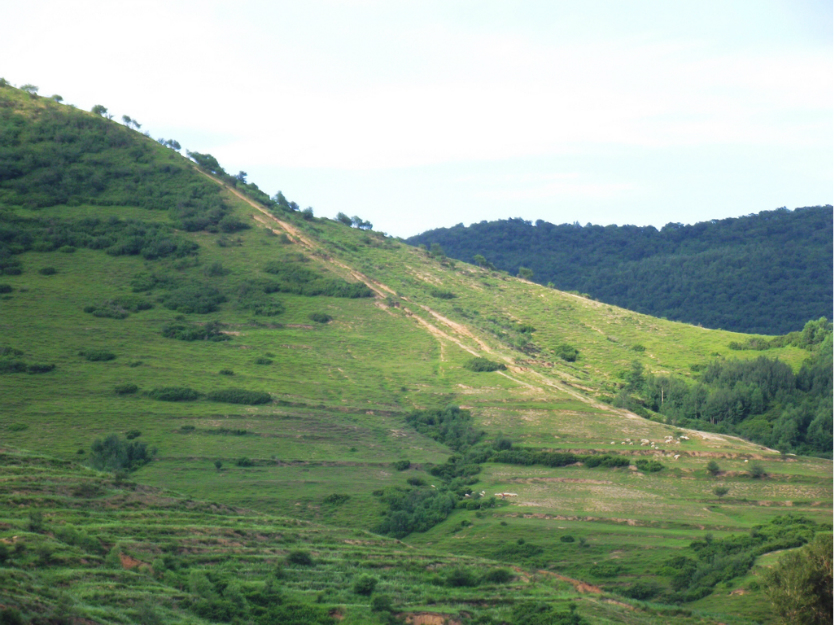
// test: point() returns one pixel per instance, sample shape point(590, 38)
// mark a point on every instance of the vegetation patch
point(113, 454)
point(194, 298)
point(174, 393)
point(118, 308)
point(320, 317)
point(183, 331)
point(483, 364)
point(97, 355)
point(239, 396)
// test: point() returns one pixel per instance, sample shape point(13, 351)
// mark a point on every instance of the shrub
point(460, 577)
point(131, 434)
point(757, 471)
point(365, 585)
point(174, 393)
point(210, 331)
point(226, 372)
point(642, 590)
point(336, 499)
point(566, 352)
point(605, 570)
point(606, 460)
point(118, 308)
point(48, 271)
point(39, 368)
point(97, 355)
point(498, 576)
point(440, 294)
point(126, 389)
point(720, 491)
point(319, 317)
point(12, 366)
point(416, 481)
point(244, 462)
point(299, 558)
point(6, 288)
point(194, 298)
point(483, 364)
point(648, 466)
point(262, 361)
point(402, 465)
point(567, 538)
point(381, 603)
point(713, 468)
point(215, 270)
point(239, 396)
point(11, 616)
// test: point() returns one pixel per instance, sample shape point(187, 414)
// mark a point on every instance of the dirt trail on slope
point(462, 331)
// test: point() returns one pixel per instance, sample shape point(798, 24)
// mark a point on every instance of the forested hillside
point(767, 273)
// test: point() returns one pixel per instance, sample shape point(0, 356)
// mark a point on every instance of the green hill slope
point(767, 273)
point(297, 367)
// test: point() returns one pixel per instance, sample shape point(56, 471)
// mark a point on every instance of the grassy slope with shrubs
point(341, 392)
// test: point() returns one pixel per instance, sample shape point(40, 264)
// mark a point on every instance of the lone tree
point(32, 90)
point(713, 468)
point(57, 98)
point(127, 120)
point(342, 218)
point(98, 109)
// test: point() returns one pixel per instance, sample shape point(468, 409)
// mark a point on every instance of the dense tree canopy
point(766, 273)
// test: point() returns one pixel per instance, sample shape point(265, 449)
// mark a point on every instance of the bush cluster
point(113, 454)
point(239, 396)
point(97, 355)
point(182, 331)
point(300, 280)
point(174, 393)
point(484, 364)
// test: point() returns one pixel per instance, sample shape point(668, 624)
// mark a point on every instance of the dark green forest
point(767, 273)
point(761, 399)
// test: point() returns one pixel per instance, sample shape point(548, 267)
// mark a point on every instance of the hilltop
point(298, 368)
point(767, 273)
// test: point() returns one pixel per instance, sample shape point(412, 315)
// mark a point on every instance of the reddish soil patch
point(429, 618)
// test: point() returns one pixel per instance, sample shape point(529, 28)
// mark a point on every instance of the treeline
point(762, 274)
point(761, 399)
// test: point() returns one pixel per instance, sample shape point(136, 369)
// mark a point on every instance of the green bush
point(605, 460)
point(483, 364)
point(244, 462)
point(648, 466)
point(39, 368)
point(440, 294)
point(336, 499)
point(757, 472)
point(498, 576)
point(365, 585)
point(118, 308)
point(262, 361)
point(300, 558)
point(194, 298)
point(239, 396)
point(174, 393)
point(566, 352)
point(126, 389)
point(48, 271)
point(460, 577)
point(97, 355)
point(6, 288)
point(131, 434)
point(226, 372)
point(12, 366)
point(402, 465)
point(382, 603)
point(567, 538)
point(320, 317)
point(210, 331)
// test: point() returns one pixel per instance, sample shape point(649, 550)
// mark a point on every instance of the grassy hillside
point(154, 327)
point(717, 273)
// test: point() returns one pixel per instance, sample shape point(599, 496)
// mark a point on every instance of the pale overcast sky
point(416, 115)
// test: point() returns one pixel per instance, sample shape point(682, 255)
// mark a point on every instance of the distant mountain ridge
point(766, 273)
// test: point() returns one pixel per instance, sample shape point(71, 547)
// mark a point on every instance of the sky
point(422, 114)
